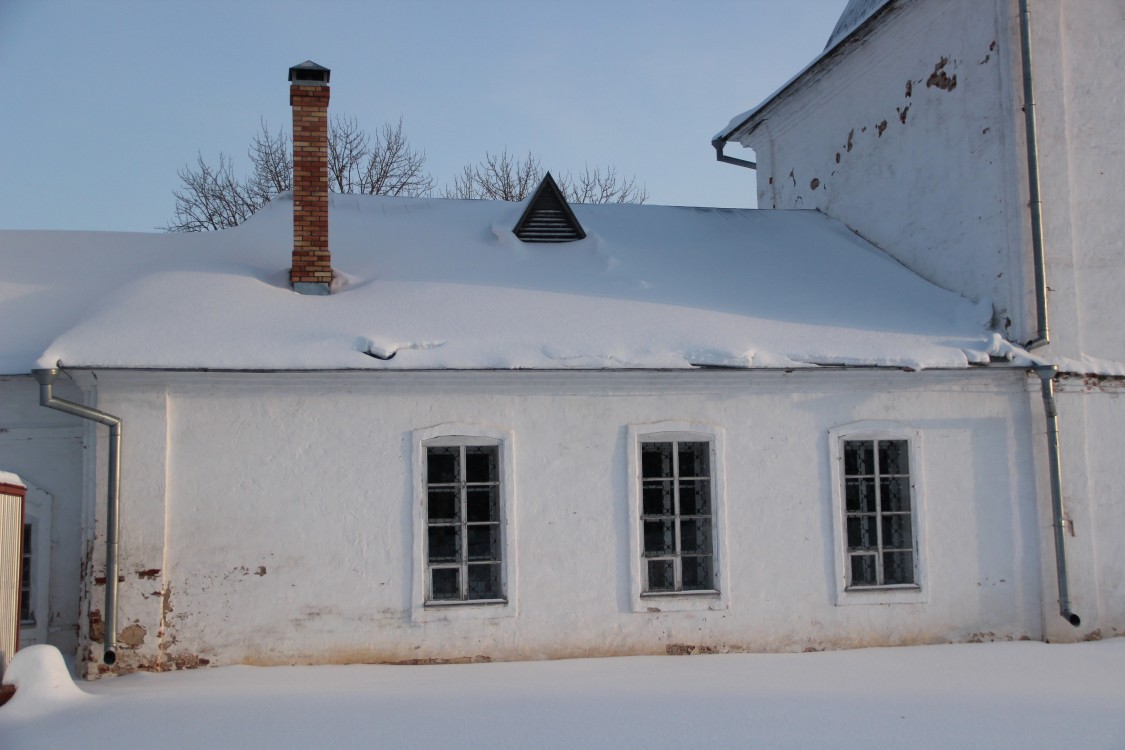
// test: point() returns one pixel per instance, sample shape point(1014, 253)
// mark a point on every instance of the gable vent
point(548, 217)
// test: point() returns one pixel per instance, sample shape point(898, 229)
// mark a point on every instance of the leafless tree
point(498, 177)
point(506, 177)
point(601, 186)
point(272, 160)
point(385, 166)
point(211, 197)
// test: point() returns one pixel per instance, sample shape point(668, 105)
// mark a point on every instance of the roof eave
point(739, 124)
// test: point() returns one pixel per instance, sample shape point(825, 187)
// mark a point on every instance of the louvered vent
point(547, 217)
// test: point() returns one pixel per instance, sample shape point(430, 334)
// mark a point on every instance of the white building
point(911, 129)
point(680, 430)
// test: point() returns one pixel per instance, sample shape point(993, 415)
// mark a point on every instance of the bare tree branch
point(273, 164)
point(210, 197)
point(505, 177)
point(393, 167)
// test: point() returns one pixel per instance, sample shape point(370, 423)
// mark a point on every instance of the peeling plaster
point(940, 78)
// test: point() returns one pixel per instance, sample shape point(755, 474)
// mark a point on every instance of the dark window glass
point(661, 576)
point(463, 534)
point(676, 510)
point(656, 498)
point(656, 460)
point(441, 465)
point(879, 527)
point(447, 583)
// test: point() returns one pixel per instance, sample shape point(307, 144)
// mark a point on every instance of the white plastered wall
point(286, 532)
point(908, 134)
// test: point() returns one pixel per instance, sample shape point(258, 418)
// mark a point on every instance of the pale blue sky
point(103, 101)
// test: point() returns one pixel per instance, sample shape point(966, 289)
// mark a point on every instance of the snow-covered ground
point(997, 695)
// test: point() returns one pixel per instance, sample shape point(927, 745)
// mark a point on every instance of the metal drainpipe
point(1047, 382)
point(1043, 336)
point(47, 398)
point(719, 145)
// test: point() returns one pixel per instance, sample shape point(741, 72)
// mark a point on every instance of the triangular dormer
point(548, 217)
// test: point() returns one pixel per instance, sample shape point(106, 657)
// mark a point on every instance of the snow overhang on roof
point(445, 284)
point(859, 14)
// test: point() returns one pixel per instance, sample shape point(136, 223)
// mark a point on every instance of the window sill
point(897, 594)
point(652, 602)
point(466, 603)
point(694, 593)
point(458, 611)
point(893, 587)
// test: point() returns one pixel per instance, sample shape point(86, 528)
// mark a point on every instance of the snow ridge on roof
point(428, 283)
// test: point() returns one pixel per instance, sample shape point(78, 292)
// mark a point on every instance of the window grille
point(463, 529)
point(879, 526)
point(676, 516)
point(27, 611)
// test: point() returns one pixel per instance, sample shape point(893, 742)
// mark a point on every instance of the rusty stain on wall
point(902, 113)
point(149, 574)
point(851, 138)
point(261, 571)
point(909, 88)
point(940, 78)
point(814, 184)
point(881, 127)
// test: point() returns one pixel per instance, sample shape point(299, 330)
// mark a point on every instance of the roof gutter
point(720, 143)
point(46, 379)
point(1035, 202)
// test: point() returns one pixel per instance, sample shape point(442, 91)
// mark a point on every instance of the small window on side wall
point(880, 533)
point(676, 515)
point(877, 513)
point(676, 506)
point(463, 529)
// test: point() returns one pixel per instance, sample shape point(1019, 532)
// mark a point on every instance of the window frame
point(423, 607)
point(647, 601)
point(915, 592)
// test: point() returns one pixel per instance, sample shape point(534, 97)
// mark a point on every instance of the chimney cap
point(309, 73)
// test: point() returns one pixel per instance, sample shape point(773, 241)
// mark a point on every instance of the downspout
point(1046, 378)
point(720, 144)
point(47, 398)
point(1043, 336)
point(1035, 203)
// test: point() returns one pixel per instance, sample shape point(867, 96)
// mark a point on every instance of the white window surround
point(677, 601)
point(915, 593)
point(454, 435)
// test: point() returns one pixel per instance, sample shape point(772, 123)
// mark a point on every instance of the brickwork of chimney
point(312, 262)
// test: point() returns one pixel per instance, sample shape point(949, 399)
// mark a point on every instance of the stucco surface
point(286, 534)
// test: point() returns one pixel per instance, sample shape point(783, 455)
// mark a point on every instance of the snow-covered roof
point(432, 284)
point(855, 15)
point(7, 477)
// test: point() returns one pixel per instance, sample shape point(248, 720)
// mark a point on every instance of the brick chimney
point(308, 95)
